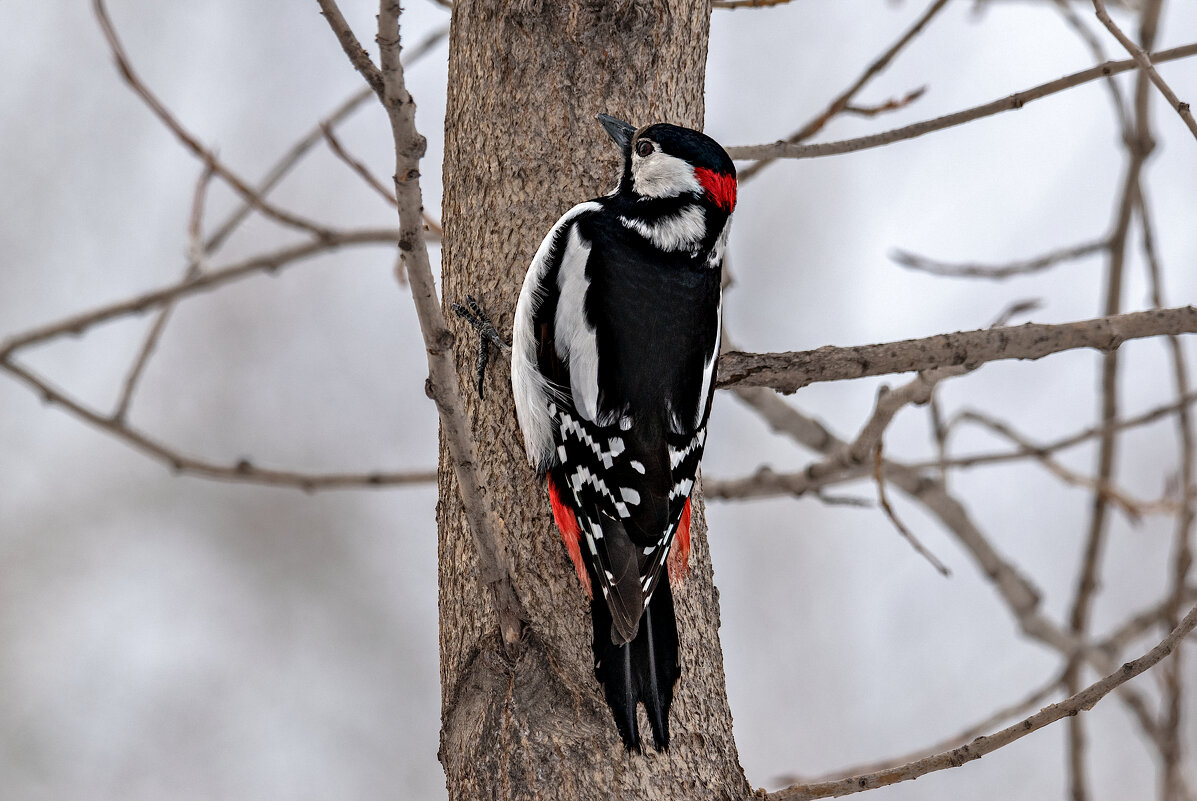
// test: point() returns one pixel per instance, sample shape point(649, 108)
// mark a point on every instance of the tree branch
point(1014, 101)
point(1144, 62)
point(787, 372)
point(841, 103)
point(954, 758)
point(242, 471)
point(269, 262)
point(246, 192)
point(914, 261)
point(443, 387)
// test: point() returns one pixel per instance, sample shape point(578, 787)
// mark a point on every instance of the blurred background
point(174, 637)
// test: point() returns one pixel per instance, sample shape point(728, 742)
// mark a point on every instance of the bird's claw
point(472, 313)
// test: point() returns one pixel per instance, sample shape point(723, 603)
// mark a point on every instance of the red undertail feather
point(567, 522)
point(720, 187)
point(679, 554)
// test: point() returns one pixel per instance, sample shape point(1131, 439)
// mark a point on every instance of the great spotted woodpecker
point(613, 366)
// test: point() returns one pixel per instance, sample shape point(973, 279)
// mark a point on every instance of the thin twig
point(994, 272)
point(1072, 440)
point(271, 262)
point(357, 166)
point(1035, 698)
point(1134, 508)
point(893, 104)
point(274, 175)
point(907, 534)
point(789, 371)
point(844, 99)
point(1140, 623)
point(1099, 54)
point(387, 81)
point(1139, 146)
point(889, 403)
point(1081, 701)
point(432, 229)
point(1017, 591)
point(765, 482)
point(1015, 101)
point(1144, 62)
point(196, 257)
point(243, 471)
point(1182, 548)
point(247, 193)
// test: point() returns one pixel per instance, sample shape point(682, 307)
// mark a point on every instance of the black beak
point(618, 130)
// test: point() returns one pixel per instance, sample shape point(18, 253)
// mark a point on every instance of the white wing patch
point(715, 258)
point(681, 231)
point(531, 389)
point(708, 369)
point(575, 338)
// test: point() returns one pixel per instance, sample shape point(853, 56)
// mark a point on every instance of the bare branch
point(313, 137)
point(1182, 549)
point(1016, 709)
point(195, 255)
point(269, 263)
point(1014, 101)
point(997, 272)
point(275, 174)
point(766, 483)
point(1144, 62)
point(1099, 54)
point(242, 471)
point(387, 82)
point(953, 758)
point(1139, 624)
point(1016, 590)
point(893, 104)
point(1138, 145)
point(1134, 508)
point(208, 156)
point(787, 372)
point(1158, 413)
point(907, 534)
point(357, 166)
point(432, 229)
point(842, 102)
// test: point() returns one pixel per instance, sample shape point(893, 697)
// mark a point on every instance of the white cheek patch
point(662, 175)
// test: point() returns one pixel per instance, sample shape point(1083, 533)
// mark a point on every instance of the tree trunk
point(526, 78)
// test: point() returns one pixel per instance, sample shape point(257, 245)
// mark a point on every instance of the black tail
point(642, 671)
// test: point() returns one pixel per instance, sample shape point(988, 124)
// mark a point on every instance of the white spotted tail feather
point(616, 336)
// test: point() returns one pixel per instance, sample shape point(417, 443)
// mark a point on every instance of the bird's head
point(665, 161)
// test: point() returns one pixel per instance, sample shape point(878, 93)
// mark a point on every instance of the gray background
point(166, 637)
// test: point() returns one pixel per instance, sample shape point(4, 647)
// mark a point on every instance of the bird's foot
point(488, 335)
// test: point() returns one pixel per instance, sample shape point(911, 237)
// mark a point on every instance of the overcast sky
point(171, 637)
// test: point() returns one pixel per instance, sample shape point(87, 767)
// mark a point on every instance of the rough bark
point(526, 78)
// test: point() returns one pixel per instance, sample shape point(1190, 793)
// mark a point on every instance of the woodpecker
point(613, 365)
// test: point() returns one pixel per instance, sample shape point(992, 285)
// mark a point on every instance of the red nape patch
point(721, 187)
point(567, 522)
point(679, 554)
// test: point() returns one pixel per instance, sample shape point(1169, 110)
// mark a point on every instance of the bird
point(614, 343)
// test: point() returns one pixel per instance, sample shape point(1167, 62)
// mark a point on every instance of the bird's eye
point(644, 147)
